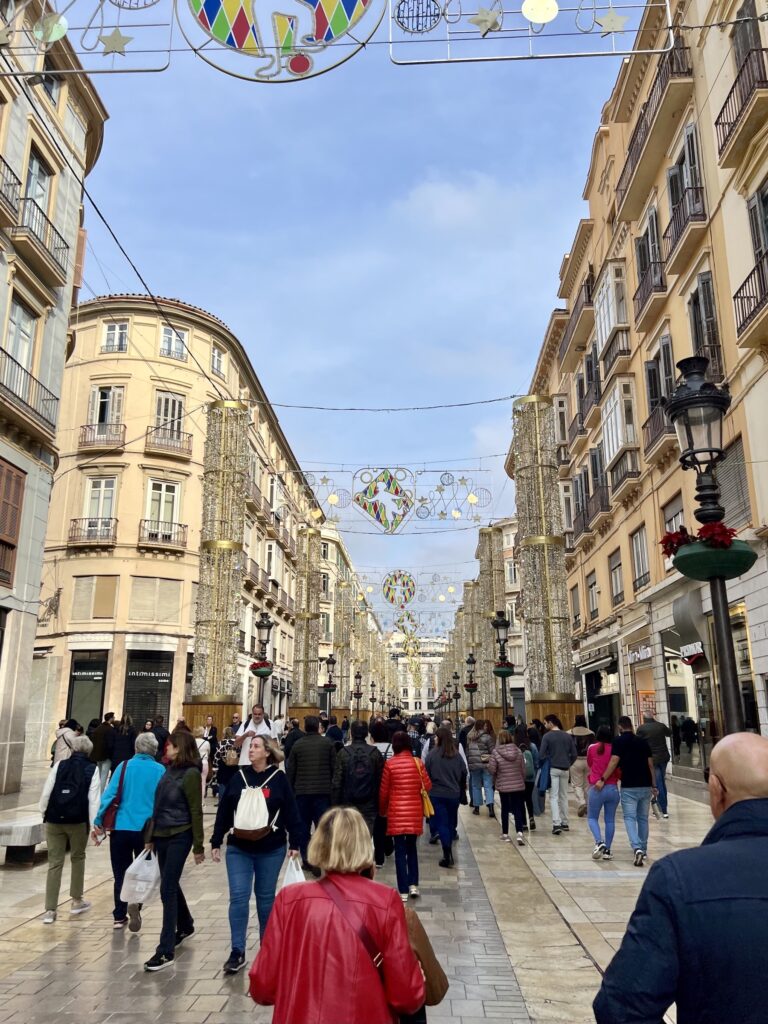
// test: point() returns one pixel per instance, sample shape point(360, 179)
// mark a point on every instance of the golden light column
point(306, 649)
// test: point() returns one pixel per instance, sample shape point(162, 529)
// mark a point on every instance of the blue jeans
point(246, 871)
point(446, 818)
point(607, 801)
point(660, 771)
point(312, 807)
point(636, 806)
point(481, 784)
point(406, 862)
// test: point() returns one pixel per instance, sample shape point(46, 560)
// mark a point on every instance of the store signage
point(642, 653)
point(690, 652)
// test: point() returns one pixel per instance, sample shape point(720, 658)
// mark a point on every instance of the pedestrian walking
point(531, 758)
point(507, 768)
point(254, 857)
point(689, 731)
point(698, 934)
point(204, 753)
point(256, 725)
point(211, 733)
point(103, 744)
point(226, 761)
point(400, 802)
point(161, 735)
point(124, 745)
point(310, 772)
point(538, 796)
point(345, 724)
point(480, 744)
point(334, 733)
point(394, 723)
point(383, 844)
point(69, 801)
point(367, 970)
point(93, 725)
point(675, 726)
point(133, 787)
point(148, 726)
point(602, 798)
point(656, 733)
point(294, 733)
point(176, 828)
point(357, 775)
point(448, 772)
point(559, 749)
point(62, 745)
point(584, 738)
point(632, 755)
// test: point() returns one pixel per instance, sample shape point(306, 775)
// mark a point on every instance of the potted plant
point(262, 669)
point(712, 552)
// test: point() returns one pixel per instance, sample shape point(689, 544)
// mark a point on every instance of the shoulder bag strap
point(268, 778)
point(371, 947)
point(119, 796)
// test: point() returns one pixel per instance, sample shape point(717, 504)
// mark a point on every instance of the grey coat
point(476, 749)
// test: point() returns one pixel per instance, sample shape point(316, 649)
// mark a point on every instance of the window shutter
point(643, 257)
point(708, 312)
point(653, 384)
point(654, 249)
point(116, 405)
point(104, 594)
point(143, 599)
point(734, 489)
point(168, 600)
point(692, 167)
point(675, 187)
point(93, 406)
point(11, 499)
point(667, 366)
point(756, 227)
point(82, 598)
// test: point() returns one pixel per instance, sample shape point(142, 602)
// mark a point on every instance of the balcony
point(744, 111)
point(751, 307)
point(581, 526)
point(26, 401)
point(576, 623)
point(10, 191)
point(650, 296)
point(578, 329)
point(624, 474)
point(115, 346)
point(563, 460)
point(568, 542)
point(617, 598)
point(685, 230)
point(658, 123)
point(253, 496)
point(250, 574)
point(41, 245)
point(642, 581)
point(598, 506)
point(616, 355)
point(589, 407)
point(162, 536)
point(167, 441)
point(659, 437)
point(102, 436)
point(577, 434)
point(92, 533)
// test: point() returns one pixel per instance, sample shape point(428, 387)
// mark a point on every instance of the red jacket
point(314, 969)
point(400, 803)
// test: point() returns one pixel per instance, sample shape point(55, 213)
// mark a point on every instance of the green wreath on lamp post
point(710, 553)
point(261, 669)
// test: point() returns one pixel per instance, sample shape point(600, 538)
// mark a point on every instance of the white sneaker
point(414, 891)
point(404, 897)
point(639, 858)
point(665, 815)
point(520, 840)
point(505, 839)
point(49, 917)
point(598, 851)
point(79, 907)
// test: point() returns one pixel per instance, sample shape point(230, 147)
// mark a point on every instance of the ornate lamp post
point(373, 698)
point(456, 697)
point(263, 668)
point(697, 409)
point(329, 686)
point(358, 691)
point(471, 686)
point(503, 669)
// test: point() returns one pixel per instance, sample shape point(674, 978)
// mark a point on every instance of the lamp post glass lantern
point(358, 694)
point(456, 697)
point(329, 686)
point(696, 409)
point(471, 686)
point(500, 624)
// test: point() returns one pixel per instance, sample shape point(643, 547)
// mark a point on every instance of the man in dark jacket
point(394, 723)
point(699, 932)
point(656, 733)
point(103, 745)
point(334, 733)
point(162, 735)
point(293, 734)
point(357, 776)
point(310, 772)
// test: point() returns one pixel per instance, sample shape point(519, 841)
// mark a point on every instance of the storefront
point(87, 680)
point(643, 691)
point(600, 672)
point(148, 682)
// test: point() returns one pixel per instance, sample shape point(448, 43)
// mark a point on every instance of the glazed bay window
point(593, 598)
point(639, 544)
point(566, 503)
point(618, 420)
point(115, 337)
point(174, 343)
point(610, 304)
point(705, 334)
point(617, 578)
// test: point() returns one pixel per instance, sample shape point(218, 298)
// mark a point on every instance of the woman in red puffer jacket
point(507, 768)
point(400, 803)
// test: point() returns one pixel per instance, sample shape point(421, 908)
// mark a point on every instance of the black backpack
point(68, 803)
point(360, 777)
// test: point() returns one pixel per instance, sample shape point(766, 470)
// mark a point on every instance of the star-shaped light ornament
point(115, 42)
point(324, 481)
point(442, 515)
point(462, 481)
point(611, 22)
point(486, 21)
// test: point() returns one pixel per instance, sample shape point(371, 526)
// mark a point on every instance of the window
point(610, 304)
point(617, 577)
point(575, 608)
point(561, 419)
point(154, 600)
point(660, 374)
point(734, 489)
point(509, 539)
point(639, 543)
point(269, 558)
point(324, 550)
point(169, 413)
point(325, 626)
point(592, 595)
point(22, 326)
point(11, 500)
point(116, 337)
point(511, 571)
point(648, 252)
point(417, 705)
point(217, 361)
point(684, 177)
point(51, 82)
point(757, 208)
point(105, 408)
point(39, 177)
point(163, 503)
point(94, 597)
point(746, 35)
point(704, 331)
point(672, 514)
point(174, 343)
point(100, 506)
point(618, 418)
point(567, 506)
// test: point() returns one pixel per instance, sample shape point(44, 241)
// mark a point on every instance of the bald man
point(698, 936)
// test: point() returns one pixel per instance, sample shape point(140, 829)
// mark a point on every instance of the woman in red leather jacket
point(403, 779)
point(322, 939)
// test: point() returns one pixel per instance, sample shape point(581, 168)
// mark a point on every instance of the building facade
point(121, 555)
point(50, 138)
point(416, 664)
point(668, 262)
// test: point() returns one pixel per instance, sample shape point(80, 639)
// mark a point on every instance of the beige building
point(121, 556)
point(417, 664)
point(51, 130)
point(668, 261)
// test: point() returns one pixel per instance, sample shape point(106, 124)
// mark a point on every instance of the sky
point(376, 236)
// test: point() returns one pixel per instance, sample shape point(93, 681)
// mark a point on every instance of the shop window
point(734, 488)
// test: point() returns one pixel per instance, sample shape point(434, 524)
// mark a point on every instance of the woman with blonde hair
point(357, 923)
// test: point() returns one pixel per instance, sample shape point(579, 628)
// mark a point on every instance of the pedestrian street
point(523, 934)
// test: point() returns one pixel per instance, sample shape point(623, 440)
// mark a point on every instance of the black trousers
point(512, 803)
point(529, 798)
point(172, 852)
point(123, 847)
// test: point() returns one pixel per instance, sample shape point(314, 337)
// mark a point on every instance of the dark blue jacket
point(698, 936)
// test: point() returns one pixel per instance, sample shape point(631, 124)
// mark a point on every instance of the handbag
point(252, 816)
point(426, 804)
point(435, 981)
point(109, 817)
point(368, 941)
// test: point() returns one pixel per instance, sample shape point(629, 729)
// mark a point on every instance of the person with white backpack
point(258, 813)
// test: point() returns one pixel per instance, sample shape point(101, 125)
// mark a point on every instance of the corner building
point(121, 556)
point(670, 261)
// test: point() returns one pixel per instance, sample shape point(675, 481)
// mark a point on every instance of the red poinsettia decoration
point(673, 540)
point(717, 535)
point(255, 665)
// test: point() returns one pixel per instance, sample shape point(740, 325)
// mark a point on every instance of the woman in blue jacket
point(140, 776)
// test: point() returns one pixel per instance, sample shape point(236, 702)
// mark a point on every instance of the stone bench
point(20, 836)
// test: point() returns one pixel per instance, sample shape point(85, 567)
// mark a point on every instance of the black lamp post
point(471, 686)
point(456, 697)
point(264, 627)
point(697, 409)
point(329, 686)
point(503, 669)
point(358, 693)
point(373, 698)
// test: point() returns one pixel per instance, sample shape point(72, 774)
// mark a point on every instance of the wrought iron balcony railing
point(93, 531)
point(102, 435)
point(20, 388)
point(751, 77)
point(33, 218)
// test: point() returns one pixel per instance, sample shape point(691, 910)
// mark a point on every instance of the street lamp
point(329, 686)
point(456, 697)
point(697, 409)
point(471, 686)
point(358, 693)
point(373, 698)
point(263, 667)
point(503, 668)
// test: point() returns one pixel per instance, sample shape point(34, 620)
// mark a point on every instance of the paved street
point(522, 934)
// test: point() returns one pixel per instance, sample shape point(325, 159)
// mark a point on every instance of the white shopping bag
point(142, 880)
point(293, 872)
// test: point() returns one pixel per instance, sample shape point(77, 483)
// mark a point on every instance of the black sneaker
point(475, 810)
point(639, 858)
point(180, 936)
point(134, 917)
point(434, 840)
point(235, 963)
point(532, 826)
point(556, 830)
point(158, 962)
point(565, 827)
